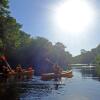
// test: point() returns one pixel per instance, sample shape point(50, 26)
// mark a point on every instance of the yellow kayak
point(48, 76)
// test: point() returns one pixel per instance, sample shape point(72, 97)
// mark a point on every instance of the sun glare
point(74, 16)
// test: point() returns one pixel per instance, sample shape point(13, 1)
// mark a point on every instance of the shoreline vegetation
point(20, 48)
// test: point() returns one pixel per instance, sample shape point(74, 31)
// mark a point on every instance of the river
point(84, 85)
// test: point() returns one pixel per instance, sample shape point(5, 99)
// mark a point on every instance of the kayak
point(23, 73)
point(49, 76)
point(67, 74)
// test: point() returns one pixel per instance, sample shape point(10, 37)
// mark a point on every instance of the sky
point(45, 18)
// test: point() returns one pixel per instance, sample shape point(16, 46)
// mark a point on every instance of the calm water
point(84, 85)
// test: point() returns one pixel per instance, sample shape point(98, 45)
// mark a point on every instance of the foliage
point(87, 56)
point(20, 48)
point(97, 61)
point(4, 8)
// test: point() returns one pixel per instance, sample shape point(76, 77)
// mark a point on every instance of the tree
point(4, 8)
point(83, 51)
point(22, 49)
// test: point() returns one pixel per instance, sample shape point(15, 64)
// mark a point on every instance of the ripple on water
point(81, 87)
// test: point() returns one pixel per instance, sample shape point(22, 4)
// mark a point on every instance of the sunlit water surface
point(84, 85)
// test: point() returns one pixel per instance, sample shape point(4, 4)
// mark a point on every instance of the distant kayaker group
point(6, 70)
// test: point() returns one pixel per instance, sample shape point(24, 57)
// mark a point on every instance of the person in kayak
point(19, 69)
point(57, 71)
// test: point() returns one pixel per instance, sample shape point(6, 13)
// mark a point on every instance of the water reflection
point(8, 91)
point(14, 89)
point(84, 85)
point(89, 73)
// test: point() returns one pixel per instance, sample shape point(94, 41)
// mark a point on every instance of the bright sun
point(74, 15)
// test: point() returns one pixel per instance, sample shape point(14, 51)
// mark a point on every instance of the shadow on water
point(16, 89)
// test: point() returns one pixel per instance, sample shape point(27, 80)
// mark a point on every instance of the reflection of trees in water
point(14, 90)
point(39, 90)
point(89, 72)
point(8, 91)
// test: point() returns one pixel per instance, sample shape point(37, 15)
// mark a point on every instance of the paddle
point(4, 59)
point(47, 59)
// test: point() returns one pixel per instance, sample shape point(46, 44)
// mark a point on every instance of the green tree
point(97, 61)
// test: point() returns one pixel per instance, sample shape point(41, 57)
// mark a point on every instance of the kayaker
point(5, 70)
point(1, 68)
point(19, 69)
point(69, 67)
point(57, 71)
point(2, 65)
point(30, 68)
